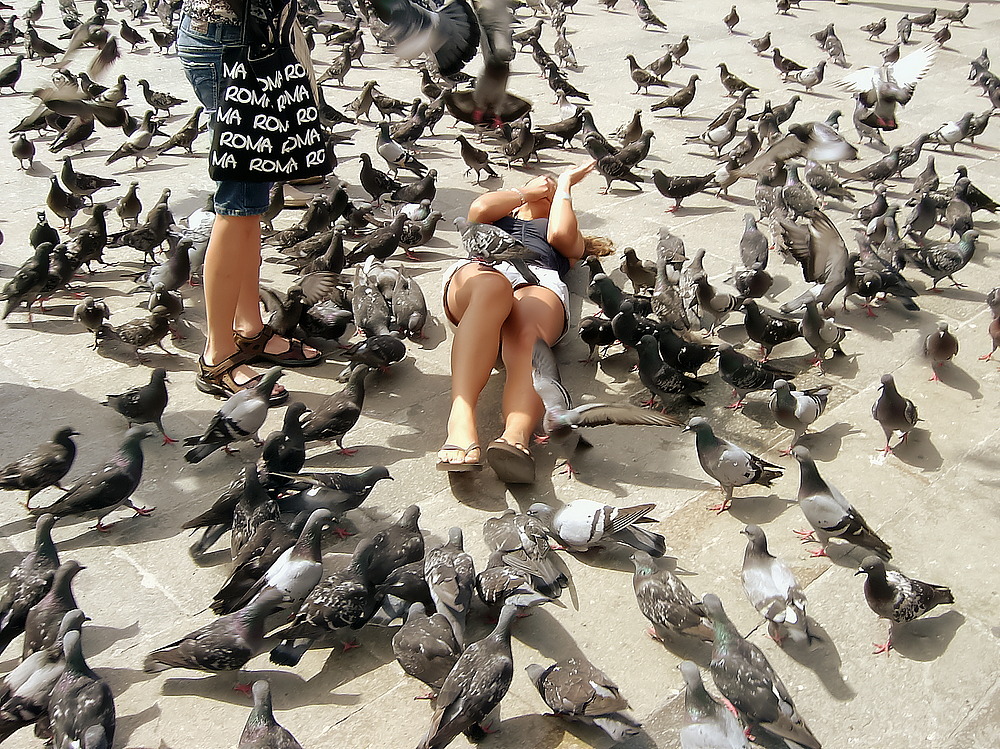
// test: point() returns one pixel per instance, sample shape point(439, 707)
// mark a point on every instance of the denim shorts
point(200, 47)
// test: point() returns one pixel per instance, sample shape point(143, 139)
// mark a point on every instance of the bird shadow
point(957, 378)
point(927, 639)
point(471, 490)
point(758, 510)
point(126, 725)
point(823, 659)
point(825, 444)
point(100, 638)
point(918, 451)
point(540, 731)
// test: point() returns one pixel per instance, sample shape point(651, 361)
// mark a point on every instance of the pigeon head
point(65, 433)
point(872, 566)
point(536, 673)
point(455, 537)
point(415, 611)
point(541, 511)
point(294, 414)
point(44, 523)
point(72, 620)
point(942, 327)
point(410, 515)
point(888, 382)
point(691, 674)
point(780, 385)
point(697, 424)
point(159, 375)
point(643, 562)
point(756, 537)
point(713, 607)
point(801, 453)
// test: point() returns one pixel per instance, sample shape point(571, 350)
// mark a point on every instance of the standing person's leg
point(478, 300)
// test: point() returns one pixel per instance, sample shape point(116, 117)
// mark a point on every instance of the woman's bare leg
point(480, 300)
point(537, 313)
point(232, 265)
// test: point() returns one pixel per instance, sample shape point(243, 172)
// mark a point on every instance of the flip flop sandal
point(254, 348)
point(463, 467)
point(511, 464)
point(218, 380)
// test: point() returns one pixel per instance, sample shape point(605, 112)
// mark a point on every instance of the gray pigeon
point(425, 647)
point(225, 644)
point(26, 690)
point(41, 627)
point(821, 333)
point(820, 250)
point(561, 422)
point(944, 260)
point(940, 347)
point(297, 571)
point(475, 687)
point(337, 492)
point(107, 487)
point(774, 591)
point(524, 538)
point(254, 505)
point(894, 412)
point(81, 701)
point(744, 676)
point(450, 575)
point(797, 409)
point(345, 598)
point(575, 689)
point(898, 598)
point(144, 404)
point(30, 580)
point(238, 419)
point(667, 602)
point(729, 464)
point(829, 513)
point(584, 524)
point(338, 413)
point(710, 725)
point(262, 731)
point(43, 467)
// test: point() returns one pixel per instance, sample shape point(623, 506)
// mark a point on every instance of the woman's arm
point(491, 206)
point(564, 231)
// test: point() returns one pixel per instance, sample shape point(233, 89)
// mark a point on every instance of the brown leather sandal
point(253, 347)
point(218, 379)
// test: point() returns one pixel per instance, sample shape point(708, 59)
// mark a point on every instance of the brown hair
point(599, 246)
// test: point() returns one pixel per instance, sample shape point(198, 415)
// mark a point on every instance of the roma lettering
point(300, 140)
point(242, 142)
point(237, 71)
point(246, 96)
point(291, 97)
point(231, 116)
point(270, 123)
point(258, 164)
point(272, 83)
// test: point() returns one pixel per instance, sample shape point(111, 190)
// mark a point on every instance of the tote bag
point(267, 126)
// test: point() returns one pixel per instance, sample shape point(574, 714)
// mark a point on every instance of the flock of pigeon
point(282, 595)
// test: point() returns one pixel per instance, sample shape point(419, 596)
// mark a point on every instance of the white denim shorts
point(547, 278)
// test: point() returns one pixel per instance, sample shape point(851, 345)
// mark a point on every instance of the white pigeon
point(773, 590)
point(883, 87)
point(584, 524)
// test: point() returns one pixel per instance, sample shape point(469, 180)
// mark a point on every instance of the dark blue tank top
point(532, 234)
